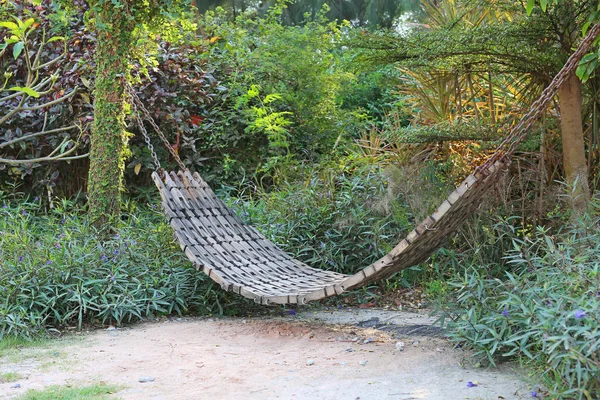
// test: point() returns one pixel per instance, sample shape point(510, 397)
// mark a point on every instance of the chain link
point(138, 105)
point(146, 136)
point(520, 130)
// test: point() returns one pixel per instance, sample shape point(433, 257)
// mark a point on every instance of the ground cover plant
point(340, 222)
point(542, 309)
point(56, 272)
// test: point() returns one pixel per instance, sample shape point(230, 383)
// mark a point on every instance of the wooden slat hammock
point(242, 260)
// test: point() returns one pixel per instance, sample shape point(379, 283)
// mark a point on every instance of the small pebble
point(349, 349)
point(400, 346)
point(145, 379)
point(310, 362)
point(15, 386)
point(363, 362)
point(416, 343)
point(439, 349)
point(368, 340)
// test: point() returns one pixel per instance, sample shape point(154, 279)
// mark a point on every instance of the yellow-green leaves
point(19, 32)
point(26, 90)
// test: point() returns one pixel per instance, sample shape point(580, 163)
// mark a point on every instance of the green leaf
point(28, 23)
point(529, 6)
point(271, 98)
point(580, 72)
point(543, 4)
point(10, 25)
point(17, 49)
point(64, 146)
point(55, 38)
point(26, 90)
point(585, 27)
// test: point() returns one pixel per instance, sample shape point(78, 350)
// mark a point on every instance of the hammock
point(242, 260)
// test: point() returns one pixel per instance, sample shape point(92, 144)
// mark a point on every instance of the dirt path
point(267, 358)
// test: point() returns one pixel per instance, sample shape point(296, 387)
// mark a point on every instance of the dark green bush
point(54, 271)
point(335, 219)
point(544, 309)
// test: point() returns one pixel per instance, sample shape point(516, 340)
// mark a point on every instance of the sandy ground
point(314, 355)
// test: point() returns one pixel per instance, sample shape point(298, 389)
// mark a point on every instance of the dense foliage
point(333, 139)
point(171, 76)
point(370, 13)
point(341, 220)
point(285, 107)
point(542, 308)
point(54, 112)
point(56, 272)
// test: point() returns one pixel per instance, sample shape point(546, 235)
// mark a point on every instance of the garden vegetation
point(332, 131)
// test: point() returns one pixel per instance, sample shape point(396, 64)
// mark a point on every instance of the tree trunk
point(574, 161)
point(108, 140)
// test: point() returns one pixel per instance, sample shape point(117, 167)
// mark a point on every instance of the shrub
point(332, 218)
point(544, 308)
point(300, 65)
point(49, 113)
point(55, 272)
point(170, 73)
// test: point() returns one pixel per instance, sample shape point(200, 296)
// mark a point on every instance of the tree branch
point(51, 103)
point(32, 135)
point(41, 159)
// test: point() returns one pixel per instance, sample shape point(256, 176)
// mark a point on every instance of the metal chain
point(146, 136)
point(138, 105)
point(520, 130)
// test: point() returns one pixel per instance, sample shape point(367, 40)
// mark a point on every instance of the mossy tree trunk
point(109, 139)
point(574, 160)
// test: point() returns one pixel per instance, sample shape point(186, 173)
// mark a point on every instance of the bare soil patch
point(265, 358)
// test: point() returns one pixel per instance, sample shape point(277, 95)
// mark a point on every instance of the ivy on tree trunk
point(109, 139)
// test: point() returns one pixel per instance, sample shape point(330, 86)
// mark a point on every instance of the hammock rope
point(242, 260)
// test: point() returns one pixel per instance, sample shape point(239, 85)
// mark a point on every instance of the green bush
point(301, 66)
point(545, 309)
point(54, 271)
point(333, 218)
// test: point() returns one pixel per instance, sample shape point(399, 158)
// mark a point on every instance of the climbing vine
point(119, 25)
